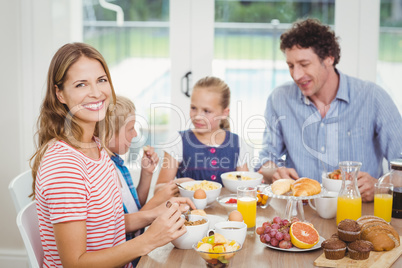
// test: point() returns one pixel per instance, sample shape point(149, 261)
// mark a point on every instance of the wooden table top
point(254, 252)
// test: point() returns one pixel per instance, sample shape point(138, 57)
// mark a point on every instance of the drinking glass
point(383, 200)
point(247, 204)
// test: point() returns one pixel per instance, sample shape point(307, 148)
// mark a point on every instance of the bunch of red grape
point(276, 233)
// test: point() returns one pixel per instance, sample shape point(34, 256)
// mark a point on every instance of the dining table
point(254, 253)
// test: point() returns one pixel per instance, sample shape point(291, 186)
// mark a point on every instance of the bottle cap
point(396, 164)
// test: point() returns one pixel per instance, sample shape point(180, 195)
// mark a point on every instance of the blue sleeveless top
point(203, 162)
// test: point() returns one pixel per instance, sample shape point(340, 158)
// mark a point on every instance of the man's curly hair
point(311, 33)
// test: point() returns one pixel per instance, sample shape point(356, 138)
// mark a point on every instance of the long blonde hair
point(217, 85)
point(53, 114)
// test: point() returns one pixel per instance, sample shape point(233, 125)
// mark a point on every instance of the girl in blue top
point(209, 149)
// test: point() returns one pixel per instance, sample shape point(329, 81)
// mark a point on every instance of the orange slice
point(303, 235)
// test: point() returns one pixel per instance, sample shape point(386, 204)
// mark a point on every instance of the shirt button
point(322, 125)
point(348, 133)
point(214, 162)
point(213, 177)
point(212, 150)
point(322, 149)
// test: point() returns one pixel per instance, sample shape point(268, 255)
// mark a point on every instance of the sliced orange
point(303, 235)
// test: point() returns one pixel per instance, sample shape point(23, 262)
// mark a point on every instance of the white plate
point(224, 198)
point(214, 219)
point(295, 249)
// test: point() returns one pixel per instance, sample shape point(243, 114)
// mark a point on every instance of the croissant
point(281, 186)
point(305, 187)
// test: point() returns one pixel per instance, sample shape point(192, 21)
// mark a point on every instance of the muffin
point(335, 235)
point(360, 249)
point(334, 249)
point(348, 230)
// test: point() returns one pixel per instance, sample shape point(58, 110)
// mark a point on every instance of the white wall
point(31, 30)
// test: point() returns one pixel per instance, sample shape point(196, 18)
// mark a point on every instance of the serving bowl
point(223, 259)
point(230, 181)
point(331, 185)
point(211, 194)
point(194, 233)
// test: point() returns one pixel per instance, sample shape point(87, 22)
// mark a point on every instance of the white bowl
point(331, 184)
point(199, 203)
point(193, 235)
point(232, 185)
point(211, 194)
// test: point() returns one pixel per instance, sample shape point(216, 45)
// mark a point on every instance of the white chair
point(20, 188)
point(28, 224)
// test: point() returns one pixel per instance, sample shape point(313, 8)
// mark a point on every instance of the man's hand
point(366, 186)
point(285, 173)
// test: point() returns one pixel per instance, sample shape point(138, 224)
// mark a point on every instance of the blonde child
point(80, 211)
point(209, 149)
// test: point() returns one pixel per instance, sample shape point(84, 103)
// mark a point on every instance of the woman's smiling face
point(86, 91)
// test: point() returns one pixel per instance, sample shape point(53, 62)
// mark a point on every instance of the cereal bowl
point(331, 185)
point(194, 233)
point(212, 194)
point(248, 179)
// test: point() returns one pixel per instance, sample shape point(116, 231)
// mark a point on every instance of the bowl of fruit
point(216, 250)
point(332, 181)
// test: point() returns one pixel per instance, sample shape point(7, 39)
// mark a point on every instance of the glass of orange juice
point(247, 204)
point(383, 200)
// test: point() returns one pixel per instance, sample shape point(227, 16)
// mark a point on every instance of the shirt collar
point(117, 159)
point(342, 93)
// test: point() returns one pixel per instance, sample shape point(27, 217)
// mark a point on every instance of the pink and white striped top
point(71, 187)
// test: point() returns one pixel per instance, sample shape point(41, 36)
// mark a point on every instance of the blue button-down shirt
point(362, 124)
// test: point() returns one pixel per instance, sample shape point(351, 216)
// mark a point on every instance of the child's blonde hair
point(122, 110)
point(215, 84)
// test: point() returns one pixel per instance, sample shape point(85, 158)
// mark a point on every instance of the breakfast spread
point(300, 187)
point(356, 239)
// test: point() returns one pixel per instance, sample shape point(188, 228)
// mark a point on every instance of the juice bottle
point(349, 199)
point(348, 208)
point(383, 206)
point(247, 206)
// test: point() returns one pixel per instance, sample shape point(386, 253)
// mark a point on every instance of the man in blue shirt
point(324, 116)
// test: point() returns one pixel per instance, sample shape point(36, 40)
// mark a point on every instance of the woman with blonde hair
point(79, 204)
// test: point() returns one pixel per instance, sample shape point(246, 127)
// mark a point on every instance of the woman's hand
point(167, 227)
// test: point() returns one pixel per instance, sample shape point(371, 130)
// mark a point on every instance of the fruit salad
point(216, 250)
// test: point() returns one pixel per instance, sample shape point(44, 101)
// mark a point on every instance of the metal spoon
point(186, 214)
point(178, 185)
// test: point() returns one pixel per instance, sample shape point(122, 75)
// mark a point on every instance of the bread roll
point(281, 186)
point(306, 187)
point(379, 232)
point(200, 212)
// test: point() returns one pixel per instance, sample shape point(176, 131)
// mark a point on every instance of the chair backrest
point(28, 224)
point(20, 188)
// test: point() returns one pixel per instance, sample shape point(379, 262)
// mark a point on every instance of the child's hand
point(166, 192)
point(149, 160)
